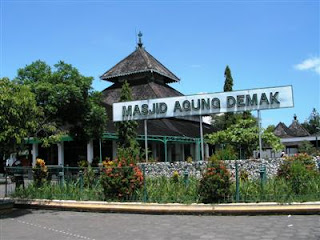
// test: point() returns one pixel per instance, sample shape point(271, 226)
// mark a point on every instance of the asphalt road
point(46, 224)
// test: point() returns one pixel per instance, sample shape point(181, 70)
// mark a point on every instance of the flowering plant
point(215, 183)
point(40, 172)
point(120, 179)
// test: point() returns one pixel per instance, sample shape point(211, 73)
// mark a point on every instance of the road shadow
point(15, 213)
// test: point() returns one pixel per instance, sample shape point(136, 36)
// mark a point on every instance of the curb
point(175, 208)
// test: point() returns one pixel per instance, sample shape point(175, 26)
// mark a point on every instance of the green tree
point(245, 134)
point(228, 84)
point(67, 100)
point(19, 115)
point(127, 130)
point(307, 147)
point(312, 124)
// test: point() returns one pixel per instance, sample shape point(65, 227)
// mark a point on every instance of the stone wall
point(251, 166)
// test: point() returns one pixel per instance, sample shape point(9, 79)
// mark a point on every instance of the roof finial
point(295, 117)
point(140, 35)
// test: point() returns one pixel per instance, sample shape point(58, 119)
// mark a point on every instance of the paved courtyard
point(46, 224)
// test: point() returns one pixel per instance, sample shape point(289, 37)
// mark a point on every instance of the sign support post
point(146, 139)
point(201, 140)
point(260, 140)
point(100, 150)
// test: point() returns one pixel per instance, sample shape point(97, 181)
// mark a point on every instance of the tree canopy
point(19, 115)
point(312, 124)
point(68, 103)
point(244, 134)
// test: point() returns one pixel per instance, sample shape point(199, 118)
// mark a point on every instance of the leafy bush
point(120, 179)
point(298, 170)
point(175, 177)
point(215, 183)
point(40, 172)
point(306, 161)
point(227, 153)
point(244, 175)
point(308, 148)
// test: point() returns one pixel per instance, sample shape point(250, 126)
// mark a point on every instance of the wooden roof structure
point(137, 64)
point(148, 79)
point(294, 130)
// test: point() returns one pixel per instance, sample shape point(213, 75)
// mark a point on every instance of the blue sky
point(265, 43)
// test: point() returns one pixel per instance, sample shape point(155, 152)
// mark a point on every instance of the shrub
point(40, 172)
point(175, 177)
point(244, 175)
point(215, 183)
point(298, 170)
point(120, 179)
point(227, 153)
point(306, 161)
point(189, 159)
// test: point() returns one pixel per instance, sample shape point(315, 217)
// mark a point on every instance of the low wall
point(251, 166)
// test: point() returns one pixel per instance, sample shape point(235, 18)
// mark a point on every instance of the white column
point(114, 149)
point(35, 153)
point(197, 152)
point(154, 150)
point(90, 151)
point(183, 158)
point(169, 153)
point(61, 154)
point(206, 151)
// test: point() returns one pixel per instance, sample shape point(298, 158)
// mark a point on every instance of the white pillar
point(169, 153)
point(114, 149)
point(183, 158)
point(61, 154)
point(154, 150)
point(35, 153)
point(90, 151)
point(206, 151)
point(197, 152)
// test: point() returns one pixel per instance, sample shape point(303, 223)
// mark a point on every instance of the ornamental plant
point(298, 170)
point(175, 177)
point(40, 172)
point(215, 183)
point(120, 179)
point(302, 159)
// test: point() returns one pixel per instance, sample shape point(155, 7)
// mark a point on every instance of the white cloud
point(312, 64)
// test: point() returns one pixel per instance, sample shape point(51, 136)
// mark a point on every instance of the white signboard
point(204, 104)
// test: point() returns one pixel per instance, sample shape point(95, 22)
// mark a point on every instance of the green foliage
point(40, 172)
point(215, 183)
point(120, 180)
point(312, 124)
point(301, 159)
point(307, 147)
point(164, 190)
point(127, 130)
point(244, 133)
point(270, 128)
point(228, 83)
point(279, 190)
point(18, 115)
point(89, 177)
point(298, 170)
point(65, 97)
point(175, 177)
point(227, 153)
